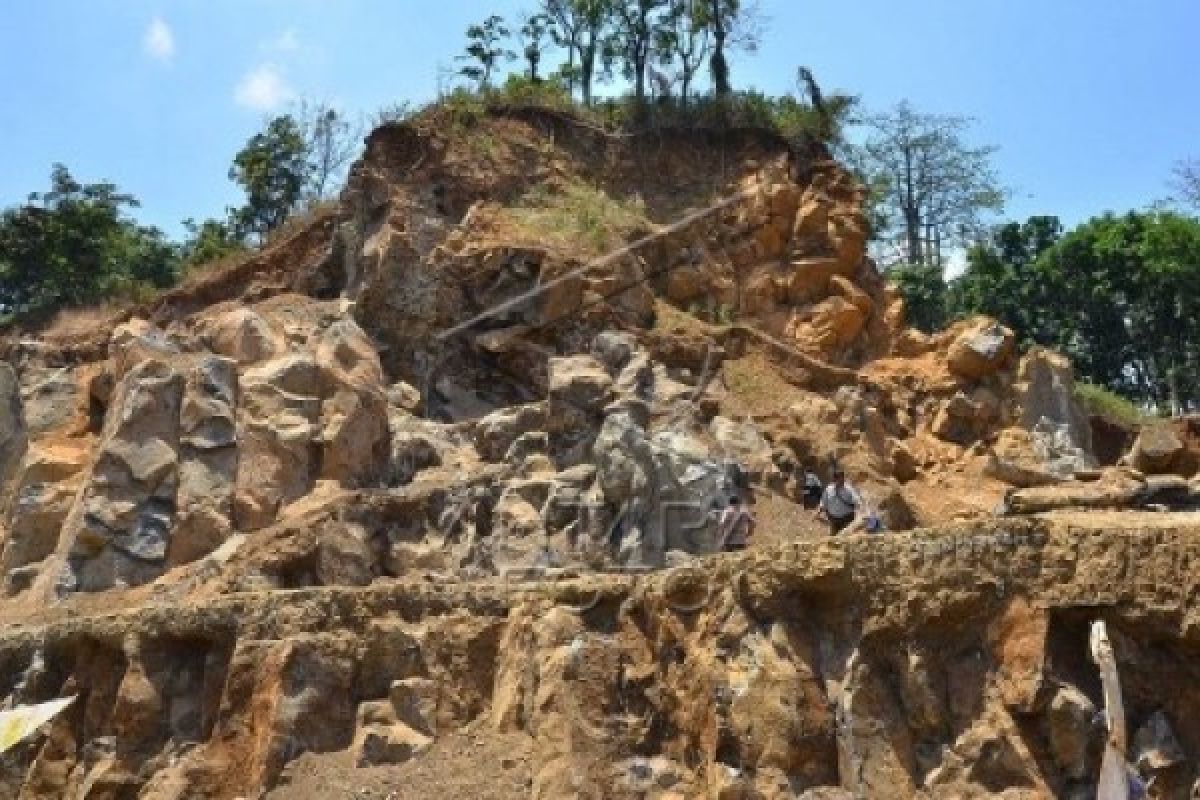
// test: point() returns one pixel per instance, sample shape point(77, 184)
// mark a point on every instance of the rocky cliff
point(439, 469)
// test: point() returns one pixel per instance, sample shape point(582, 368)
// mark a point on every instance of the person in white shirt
point(840, 502)
point(734, 526)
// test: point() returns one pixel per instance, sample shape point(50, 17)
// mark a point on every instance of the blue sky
point(1090, 101)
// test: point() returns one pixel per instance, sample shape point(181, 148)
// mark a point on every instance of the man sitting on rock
point(734, 527)
point(839, 502)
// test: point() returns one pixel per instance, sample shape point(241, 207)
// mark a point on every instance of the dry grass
point(577, 218)
point(80, 323)
point(196, 273)
point(756, 385)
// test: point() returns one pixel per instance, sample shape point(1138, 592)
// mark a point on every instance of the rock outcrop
point(13, 434)
point(431, 467)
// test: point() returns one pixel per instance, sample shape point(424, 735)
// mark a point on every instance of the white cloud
point(159, 41)
point(263, 88)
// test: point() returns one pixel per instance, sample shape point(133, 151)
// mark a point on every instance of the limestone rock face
point(43, 495)
point(208, 471)
point(661, 490)
point(277, 432)
point(13, 436)
point(193, 446)
point(130, 502)
point(577, 384)
point(355, 445)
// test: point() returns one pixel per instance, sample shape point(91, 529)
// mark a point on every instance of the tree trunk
point(587, 63)
point(720, 69)
point(639, 79)
point(912, 230)
point(571, 69)
point(720, 66)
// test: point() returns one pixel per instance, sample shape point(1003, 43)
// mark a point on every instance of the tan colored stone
point(246, 337)
point(981, 349)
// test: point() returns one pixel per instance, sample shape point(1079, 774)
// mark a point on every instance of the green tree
point(684, 39)
point(823, 117)
point(75, 245)
point(1169, 312)
point(734, 25)
point(936, 189)
point(535, 32)
point(923, 288)
point(639, 26)
point(273, 170)
point(581, 27)
point(1003, 279)
point(1119, 294)
point(486, 50)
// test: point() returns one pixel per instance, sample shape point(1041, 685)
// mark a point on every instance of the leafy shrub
point(521, 90)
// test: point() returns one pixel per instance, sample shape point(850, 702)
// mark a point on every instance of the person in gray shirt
point(840, 502)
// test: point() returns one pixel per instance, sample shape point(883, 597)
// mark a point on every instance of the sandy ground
point(474, 765)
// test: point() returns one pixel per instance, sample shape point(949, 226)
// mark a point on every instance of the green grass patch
point(1102, 402)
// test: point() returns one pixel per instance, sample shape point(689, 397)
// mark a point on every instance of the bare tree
point(331, 141)
point(1185, 180)
point(931, 185)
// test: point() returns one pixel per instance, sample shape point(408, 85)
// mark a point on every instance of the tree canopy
point(1119, 294)
point(273, 170)
point(630, 38)
point(75, 244)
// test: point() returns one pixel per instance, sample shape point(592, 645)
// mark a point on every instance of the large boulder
point(661, 490)
point(982, 349)
point(1014, 459)
point(245, 336)
point(1158, 449)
